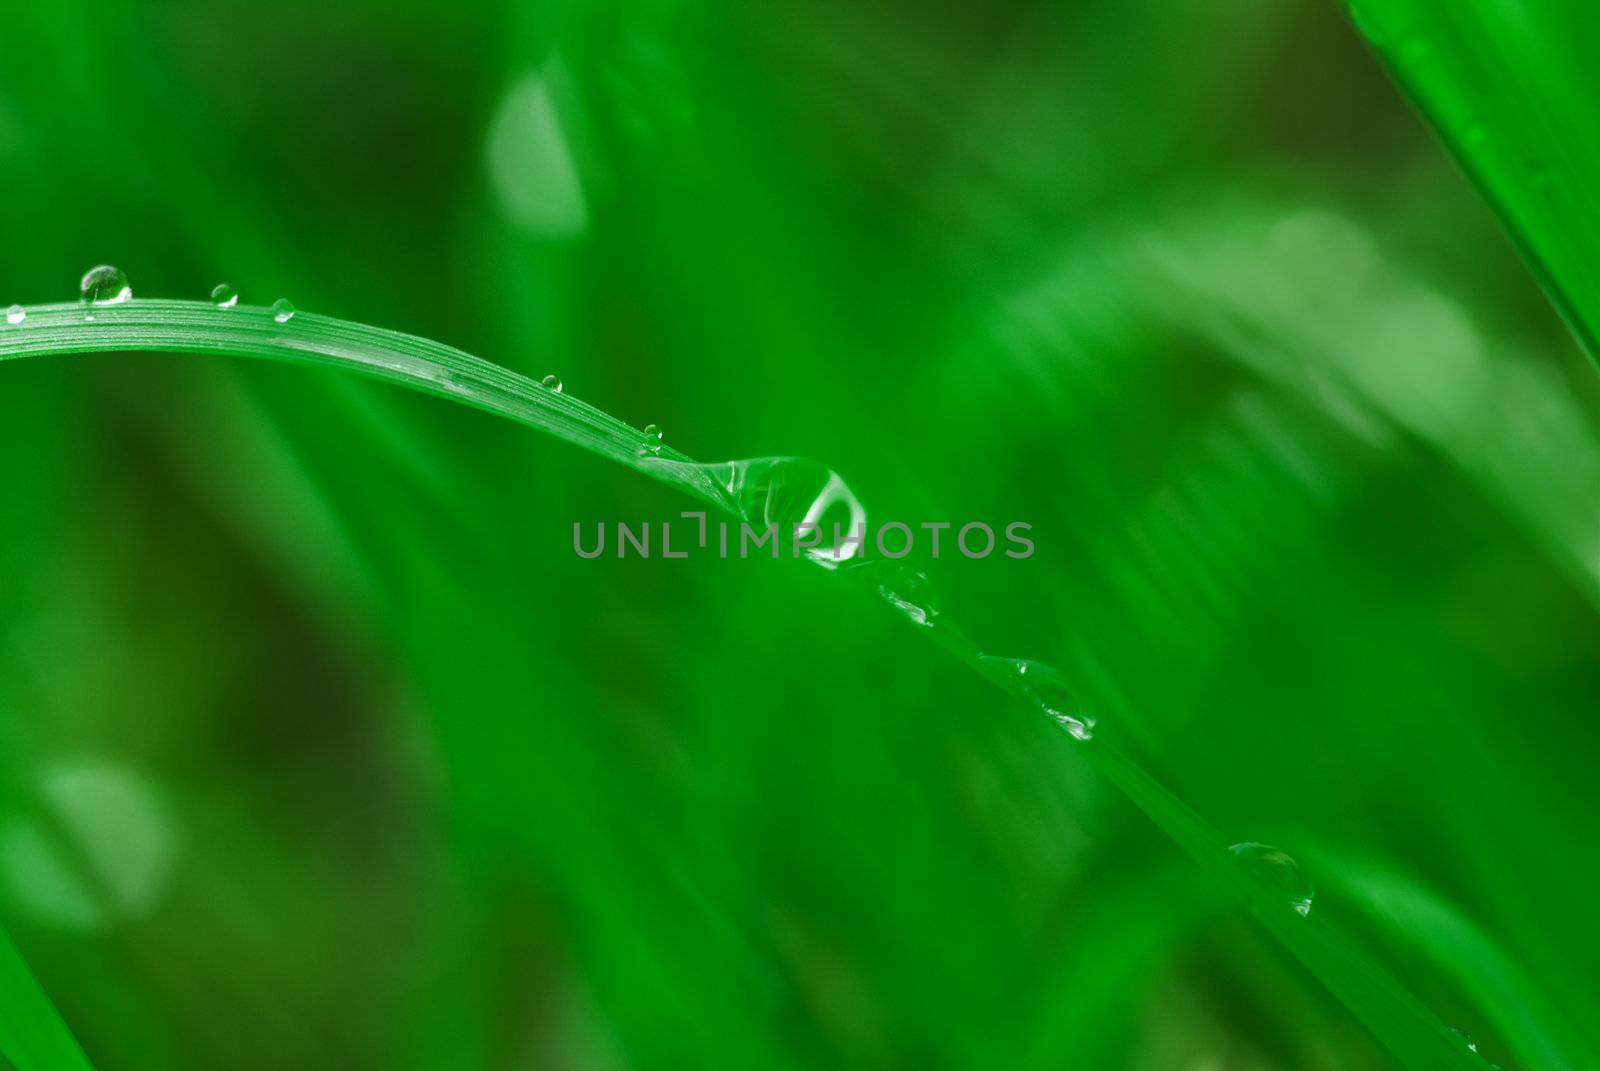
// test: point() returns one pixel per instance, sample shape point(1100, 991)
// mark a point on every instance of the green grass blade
point(1510, 87)
point(252, 331)
point(33, 1035)
point(743, 488)
point(1512, 1002)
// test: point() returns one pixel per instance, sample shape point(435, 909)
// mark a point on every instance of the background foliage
point(319, 748)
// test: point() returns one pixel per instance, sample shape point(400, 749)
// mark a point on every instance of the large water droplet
point(1276, 871)
point(283, 310)
point(553, 383)
point(104, 285)
point(782, 491)
point(224, 296)
point(16, 314)
point(652, 439)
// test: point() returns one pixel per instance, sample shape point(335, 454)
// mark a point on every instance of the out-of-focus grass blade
point(32, 1034)
point(1510, 86)
point(1508, 998)
point(1307, 299)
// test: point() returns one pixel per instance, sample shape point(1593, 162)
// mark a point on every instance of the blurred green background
point(319, 748)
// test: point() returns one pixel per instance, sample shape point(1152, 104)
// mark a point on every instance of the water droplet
point(912, 594)
point(1049, 690)
point(902, 587)
point(1043, 685)
point(16, 314)
point(782, 491)
point(283, 310)
point(224, 296)
point(1466, 1039)
point(104, 285)
point(1276, 870)
point(552, 382)
point(652, 439)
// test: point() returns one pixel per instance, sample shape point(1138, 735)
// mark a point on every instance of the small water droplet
point(553, 383)
point(902, 587)
point(911, 594)
point(1276, 870)
point(224, 296)
point(283, 310)
point(652, 439)
point(1042, 685)
point(1466, 1039)
point(16, 314)
point(104, 285)
point(1047, 688)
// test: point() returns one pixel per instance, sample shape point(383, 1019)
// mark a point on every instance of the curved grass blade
point(748, 490)
point(1510, 87)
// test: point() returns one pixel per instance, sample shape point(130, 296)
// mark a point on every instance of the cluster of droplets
point(1277, 873)
point(754, 489)
point(755, 483)
point(225, 296)
point(105, 284)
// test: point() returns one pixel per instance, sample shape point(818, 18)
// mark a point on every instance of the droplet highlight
point(283, 310)
point(1276, 871)
point(16, 314)
point(224, 296)
point(552, 383)
point(652, 439)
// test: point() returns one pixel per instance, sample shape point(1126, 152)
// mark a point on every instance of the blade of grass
point(1509, 87)
point(33, 1035)
point(1392, 1013)
point(1512, 1001)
